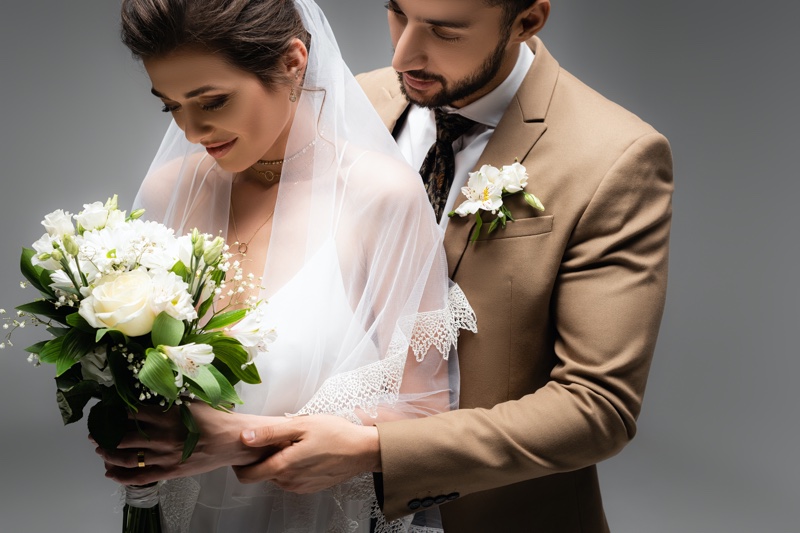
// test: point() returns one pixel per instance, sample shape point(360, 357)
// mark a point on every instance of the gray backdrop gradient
point(718, 439)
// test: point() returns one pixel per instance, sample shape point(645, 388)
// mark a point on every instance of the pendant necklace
point(244, 245)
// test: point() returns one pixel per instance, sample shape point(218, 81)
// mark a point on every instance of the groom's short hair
point(511, 8)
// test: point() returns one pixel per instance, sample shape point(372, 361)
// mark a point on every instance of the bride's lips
point(217, 150)
point(417, 84)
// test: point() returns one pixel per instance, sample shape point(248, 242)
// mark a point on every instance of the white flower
point(94, 367)
point(484, 191)
point(122, 302)
point(44, 250)
point(252, 332)
point(94, 216)
point(58, 223)
point(515, 177)
point(188, 359)
point(171, 294)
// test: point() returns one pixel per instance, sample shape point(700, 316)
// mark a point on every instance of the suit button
point(453, 495)
point(427, 502)
point(414, 504)
point(440, 499)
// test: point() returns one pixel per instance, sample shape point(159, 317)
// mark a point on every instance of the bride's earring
point(292, 94)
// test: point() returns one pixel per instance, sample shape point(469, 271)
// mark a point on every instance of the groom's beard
point(463, 88)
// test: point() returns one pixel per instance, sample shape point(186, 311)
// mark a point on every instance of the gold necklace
point(243, 246)
point(270, 175)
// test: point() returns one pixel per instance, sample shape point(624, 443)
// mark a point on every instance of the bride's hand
point(161, 445)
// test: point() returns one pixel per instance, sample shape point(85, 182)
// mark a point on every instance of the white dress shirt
point(418, 133)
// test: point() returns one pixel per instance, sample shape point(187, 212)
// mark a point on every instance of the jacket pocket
point(521, 227)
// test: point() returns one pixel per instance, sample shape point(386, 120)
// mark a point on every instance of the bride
point(274, 146)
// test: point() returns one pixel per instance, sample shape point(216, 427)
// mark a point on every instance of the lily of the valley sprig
point(486, 190)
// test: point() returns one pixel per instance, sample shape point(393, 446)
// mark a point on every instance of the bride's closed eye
point(214, 105)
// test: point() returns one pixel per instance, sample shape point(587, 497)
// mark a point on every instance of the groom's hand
point(323, 450)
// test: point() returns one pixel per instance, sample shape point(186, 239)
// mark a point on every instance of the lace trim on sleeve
point(379, 383)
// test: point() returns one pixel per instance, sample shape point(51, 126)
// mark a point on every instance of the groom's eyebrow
point(455, 24)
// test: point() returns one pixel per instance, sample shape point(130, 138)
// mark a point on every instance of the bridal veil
point(355, 279)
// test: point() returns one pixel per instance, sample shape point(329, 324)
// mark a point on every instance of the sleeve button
point(453, 495)
point(414, 504)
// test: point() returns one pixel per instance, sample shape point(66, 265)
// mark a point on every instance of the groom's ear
point(530, 21)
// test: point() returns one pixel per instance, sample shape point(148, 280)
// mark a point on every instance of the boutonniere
point(486, 190)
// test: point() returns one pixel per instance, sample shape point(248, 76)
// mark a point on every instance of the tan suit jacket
point(569, 303)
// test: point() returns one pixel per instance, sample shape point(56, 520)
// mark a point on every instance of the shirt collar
point(489, 109)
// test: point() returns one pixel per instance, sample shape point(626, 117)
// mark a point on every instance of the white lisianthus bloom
point(44, 249)
point(252, 332)
point(188, 359)
point(185, 249)
point(94, 367)
point(484, 190)
point(515, 177)
point(94, 216)
point(121, 301)
point(171, 294)
point(58, 223)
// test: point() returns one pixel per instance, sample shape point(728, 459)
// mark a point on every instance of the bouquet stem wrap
point(142, 511)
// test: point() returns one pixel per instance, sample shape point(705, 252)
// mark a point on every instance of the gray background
point(718, 440)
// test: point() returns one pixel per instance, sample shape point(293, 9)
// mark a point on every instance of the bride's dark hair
point(252, 35)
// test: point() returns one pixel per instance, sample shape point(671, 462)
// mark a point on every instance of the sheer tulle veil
point(355, 279)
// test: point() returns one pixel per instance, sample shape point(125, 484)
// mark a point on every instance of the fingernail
point(249, 435)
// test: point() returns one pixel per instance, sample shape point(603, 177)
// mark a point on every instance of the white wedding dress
point(295, 380)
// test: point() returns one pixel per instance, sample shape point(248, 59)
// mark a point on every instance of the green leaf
point(108, 421)
point(77, 321)
point(167, 331)
point(46, 309)
point(156, 374)
point(101, 333)
point(206, 382)
point(225, 319)
point(493, 225)
point(32, 273)
point(194, 432)
point(180, 269)
point(51, 351)
point(478, 225)
point(76, 344)
point(507, 212)
point(232, 354)
point(36, 348)
point(228, 394)
point(533, 201)
point(118, 363)
point(57, 332)
point(205, 306)
point(72, 401)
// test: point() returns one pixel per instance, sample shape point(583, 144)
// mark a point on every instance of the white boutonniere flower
point(486, 190)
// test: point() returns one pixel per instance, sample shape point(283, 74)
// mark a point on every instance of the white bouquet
point(136, 318)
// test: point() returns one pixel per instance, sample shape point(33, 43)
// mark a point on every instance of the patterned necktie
point(439, 167)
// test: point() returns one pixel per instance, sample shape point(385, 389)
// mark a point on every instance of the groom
point(568, 300)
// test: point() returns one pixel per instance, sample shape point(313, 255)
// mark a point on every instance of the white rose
point(188, 359)
point(515, 177)
point(94, 367)
point(94, 216)
point(58, 223)
point(171, 294)
point(121, 302)
point(115, 218)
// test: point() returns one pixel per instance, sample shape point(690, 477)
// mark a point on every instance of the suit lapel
point(522, 125)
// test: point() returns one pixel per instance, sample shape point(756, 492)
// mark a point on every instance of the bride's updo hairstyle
point(252, 35)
